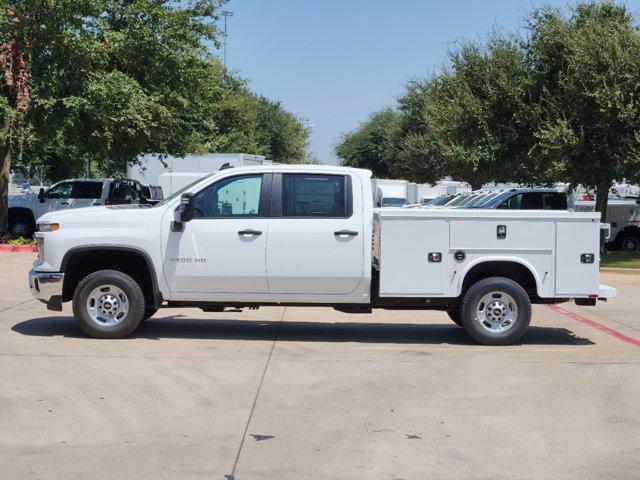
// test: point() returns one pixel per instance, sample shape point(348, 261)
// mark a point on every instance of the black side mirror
point(41, 195)
point(184, 212)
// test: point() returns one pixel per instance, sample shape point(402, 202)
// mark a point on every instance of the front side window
point(231, 197)
point(87, 190)
point(62, 190)
point(314, 195)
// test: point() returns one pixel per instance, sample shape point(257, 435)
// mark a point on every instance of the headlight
point(48, 227)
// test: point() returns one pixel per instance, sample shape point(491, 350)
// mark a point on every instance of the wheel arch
point(514, 268)
point(632, 230)
point(27, 212)
point(79, 262)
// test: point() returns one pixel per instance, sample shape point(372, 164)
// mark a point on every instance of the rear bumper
point(605, 292)
point(47, 287)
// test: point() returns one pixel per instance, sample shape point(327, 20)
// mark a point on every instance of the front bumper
point(47, 287)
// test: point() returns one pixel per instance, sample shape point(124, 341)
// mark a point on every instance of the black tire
point(21, 226)
point(454, 314)
point(149, 312)
point(472, 305)
point(134, 299)
point(630, 243)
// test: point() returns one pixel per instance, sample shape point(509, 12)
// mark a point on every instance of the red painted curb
point(596, 325)
point(18, 248)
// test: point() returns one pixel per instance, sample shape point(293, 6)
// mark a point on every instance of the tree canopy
point(556, 102)
point(107, 80)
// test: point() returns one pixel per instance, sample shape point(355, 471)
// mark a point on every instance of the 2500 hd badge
point(187, 260)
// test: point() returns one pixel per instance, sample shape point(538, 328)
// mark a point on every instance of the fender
point(157, 294)
point(496, 258)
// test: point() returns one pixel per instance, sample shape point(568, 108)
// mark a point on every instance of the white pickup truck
point(309, 235)
point(75, 193)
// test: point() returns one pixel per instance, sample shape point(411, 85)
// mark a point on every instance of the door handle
point(345, 233)
point(255, 233)
point(64, 203)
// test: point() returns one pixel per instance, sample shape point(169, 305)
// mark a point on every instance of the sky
point(335, 62)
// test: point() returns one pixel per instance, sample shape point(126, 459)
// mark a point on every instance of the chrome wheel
point(107, 305)
point(497, 312)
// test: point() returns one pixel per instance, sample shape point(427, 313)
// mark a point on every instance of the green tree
point(587, 79)
point(372, 145)
point(470, 120)
point(107, 80)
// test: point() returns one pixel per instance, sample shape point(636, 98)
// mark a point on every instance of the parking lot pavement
point(310, 393)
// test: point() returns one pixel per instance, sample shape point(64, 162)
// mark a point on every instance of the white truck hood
point(22, 200)
point(97, 216)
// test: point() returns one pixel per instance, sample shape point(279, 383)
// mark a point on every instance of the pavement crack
point(232, 475)
point(16, 305)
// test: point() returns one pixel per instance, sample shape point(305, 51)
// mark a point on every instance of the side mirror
point(184, 212)
point(41, 195)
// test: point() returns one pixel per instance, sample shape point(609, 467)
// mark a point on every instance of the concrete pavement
point(310, 393)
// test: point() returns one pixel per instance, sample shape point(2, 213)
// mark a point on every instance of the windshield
point(496, 200)
point(477, 200)
point(441, 200)
point(177, 193)
point(485, 201)
point(393, 202)
point(459, 200)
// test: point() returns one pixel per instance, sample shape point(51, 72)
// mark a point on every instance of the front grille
point(40, 247)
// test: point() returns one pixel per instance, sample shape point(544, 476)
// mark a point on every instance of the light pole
point(226, 14)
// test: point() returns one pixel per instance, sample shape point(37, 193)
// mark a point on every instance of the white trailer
point(151, 166)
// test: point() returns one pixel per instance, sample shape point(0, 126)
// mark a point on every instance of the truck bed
point(550, 244)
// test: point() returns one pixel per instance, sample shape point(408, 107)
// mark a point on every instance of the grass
point(620, 260)
point(13, 240)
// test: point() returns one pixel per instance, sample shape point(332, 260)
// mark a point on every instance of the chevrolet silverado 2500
point(309, 235)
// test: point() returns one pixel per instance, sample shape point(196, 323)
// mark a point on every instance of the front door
point(56, 198)
point(316, 237)
point(222, 250)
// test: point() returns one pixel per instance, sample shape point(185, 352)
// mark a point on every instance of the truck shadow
point(406, 333)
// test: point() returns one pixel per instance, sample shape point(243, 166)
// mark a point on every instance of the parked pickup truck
point(75, 193)
point(309, 235)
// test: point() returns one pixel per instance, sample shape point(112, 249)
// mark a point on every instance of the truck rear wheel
point(108, 304)
point(496, 311)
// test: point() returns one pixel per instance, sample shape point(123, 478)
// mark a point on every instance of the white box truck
point(173, 173)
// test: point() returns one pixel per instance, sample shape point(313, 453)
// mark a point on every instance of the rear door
point(316, 239)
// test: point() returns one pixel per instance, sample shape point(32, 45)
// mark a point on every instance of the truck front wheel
point(21, 226)
point(454, 314)
point(496, 311)
point(108, 304)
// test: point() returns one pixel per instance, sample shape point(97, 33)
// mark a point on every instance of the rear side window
point(532, 201)
point(87, 190)
point(323, 196)
point(554, 201)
